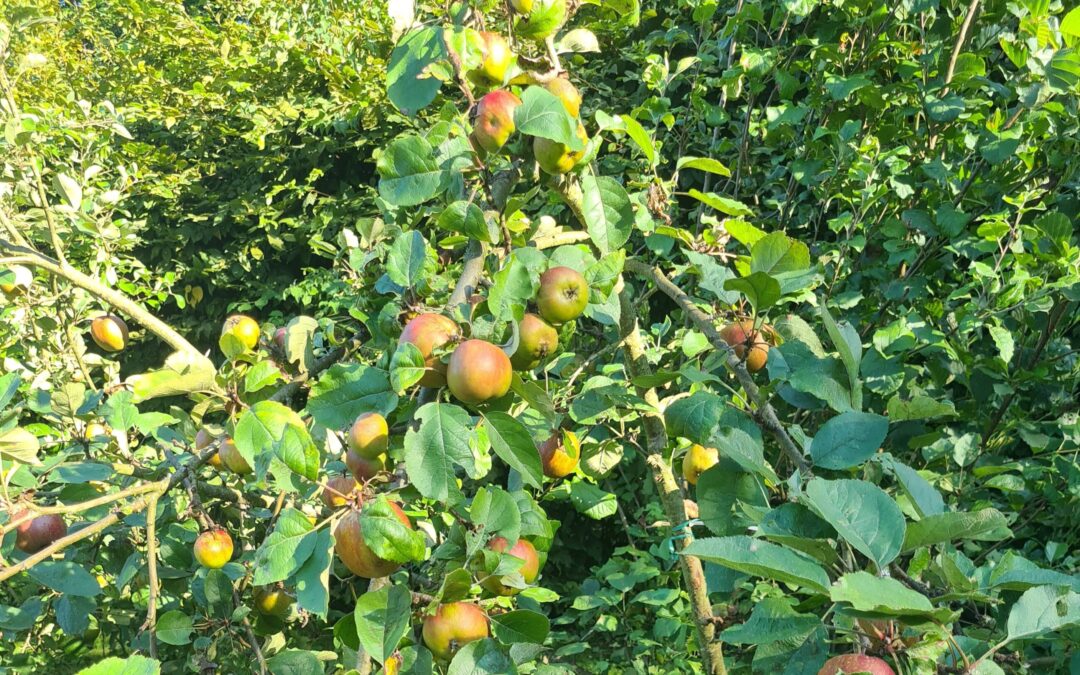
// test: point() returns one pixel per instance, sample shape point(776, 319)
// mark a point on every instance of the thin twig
point(151, 562)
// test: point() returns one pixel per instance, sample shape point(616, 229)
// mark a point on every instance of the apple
point(109, 332)
point(272, 600)
point(95, 430)
point(478, 371)
point(203, 439)
point(542, 20)
point(354, 552)
point(529, 570)
point(554, 157)
point(494, 120)
point(364, 468)
point(453, 625)
point(560, 454)
point(855, 663)
point(497, 59)
point(17, 280)
point(339, 490)
point(214, 548)
point(743, 336)
point(232, 459)
point(563, 295)
point(567, 93)
point(522, 6)
point(429, 332)
point(37, 533)
point(243, 328)
point(537, 339)
point(279, 338)
point(369, 435)
point(698, 459)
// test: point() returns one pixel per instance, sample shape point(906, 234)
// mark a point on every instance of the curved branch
point(102, 292)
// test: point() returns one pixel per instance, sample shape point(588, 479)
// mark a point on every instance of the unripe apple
point(203, 439)
point(369, 435)
point(537, 340)
point(554, 157)
point(429, 332)
point(243, 328)
point(742, 336)
point(563, 295)
point(354, 552)
point(494, 121)
point(232, 459)
point(528, 570)
point(453, 625)
point(521, 6)
point(363, 468)
point(39, 532)
point(855, 663)
point(109, 332)
point(18, 280)
point(697, 461)
point(339, 490)
point(560, 454)
point(214, 548)
point(95, 430)
point(478, 371)
point(567, 93)
point(542, 20)
point(497, 59)
point(272, 600)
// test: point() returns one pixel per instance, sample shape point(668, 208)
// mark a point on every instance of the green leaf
point(984, 525)
point(777, 253)
point(849, 346)
point(182, 374)
point(511, 290)
point(73, 613)
point(285, 549)
point(481, 657)
point(725, 205)
point(174, 628)
point(513, 443)
point(1016, 573)
point(1004, 342)
point(406, 366)
point(761, 558)
point(408, 172)
point(312, 580)
point(862, 513)
point(71, 190)
point(407, 85)
point(695, 416)
point(132, 665)
point(468, 219)
point(849, 439)
point(20, 446)
point(704, 164)
point(520, 625)
point(1070, 27)
point(294, 662)
point(20, 618)
point(609, 215)
point(542, 114)
point(840, 88)
point(921, 407)
point(926, 500)
point(760, 289)
point(269, 428)
point(64, 576)
point(344, 392)
point(496, 513)
point(433, 449)
point(1041, 610)
point(382, 618)
point(868, 593)
point(9, 384)
point(388, 537)
point(771, 619)
point(592, 501)
point(942, 110)
point(407, 259)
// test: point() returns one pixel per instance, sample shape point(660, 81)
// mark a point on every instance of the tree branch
point(960, 39)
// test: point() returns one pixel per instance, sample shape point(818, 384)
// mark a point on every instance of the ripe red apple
point(214, 548)
point(272, 600)
point(341, 489)
point(697, 461)
point(353, 550)
point(453, 625)
point(494, 120)
point(537, 339)
point(855, 663)
point(232, 459)
point(478, 371)
point(36, 534)
point(563, 295)
point(529, 570)
point(243, 328)
point(567, 93)
point(369, 435)
point(109, 332)
point(429, 332)
point(560, 454)
point(742, 336)
point(554, 157)
point(497, 59)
